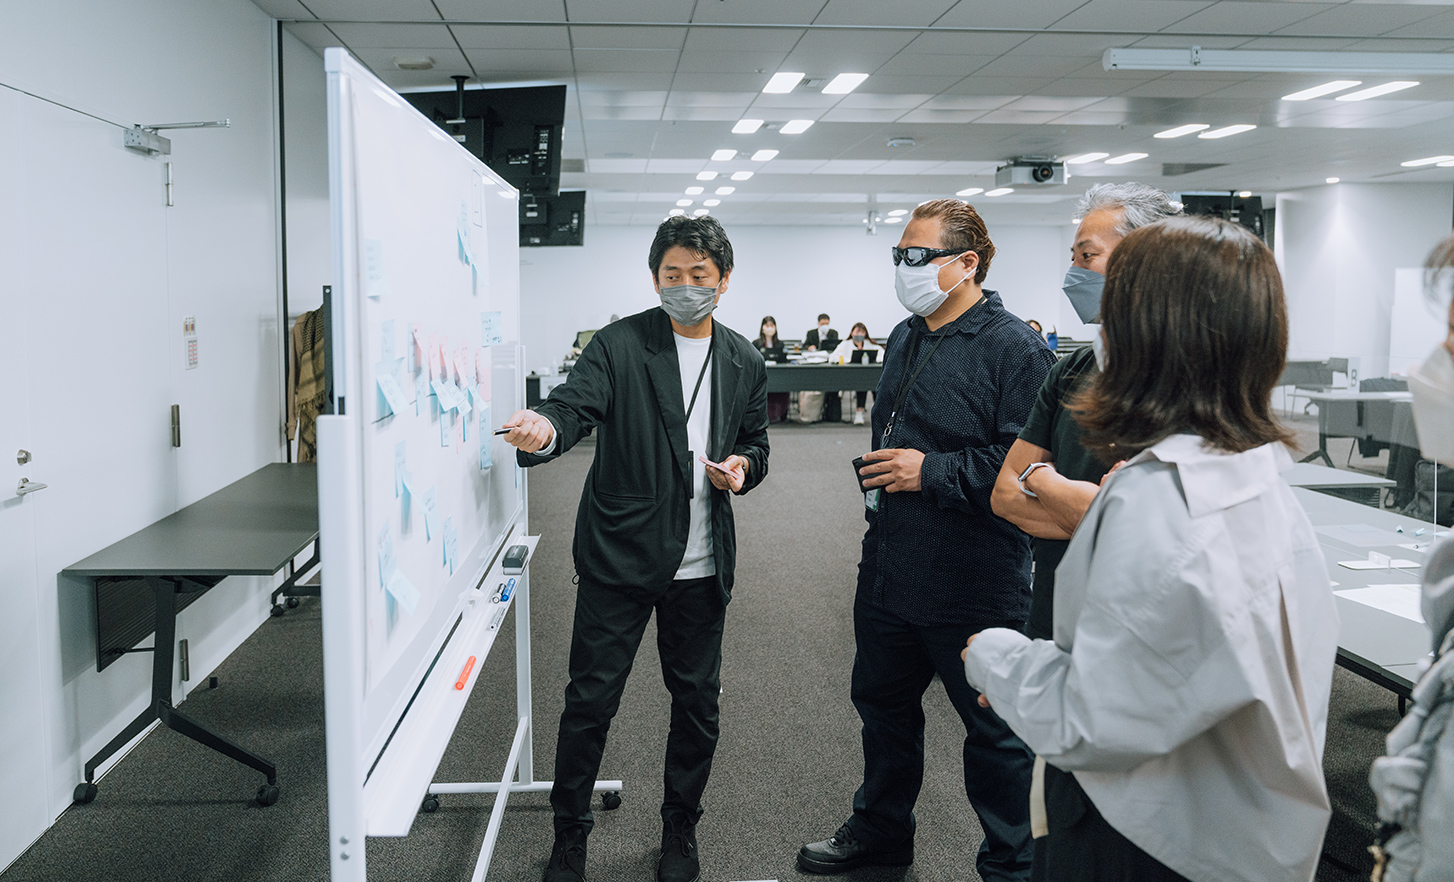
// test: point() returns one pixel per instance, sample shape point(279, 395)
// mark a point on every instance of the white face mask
point(1098, 346)
point(918, 287)
point(1432, 384)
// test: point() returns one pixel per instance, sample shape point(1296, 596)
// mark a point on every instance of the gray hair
point(1140, 204)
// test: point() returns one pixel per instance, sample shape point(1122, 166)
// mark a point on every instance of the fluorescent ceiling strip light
point(746, 126)
point(1001, 191)
point(893, 220)
point(844, 83)
point(724, 155)
point(1324, 89)
point(796, 126)
point(1125, 158)
point(898, 212)
point(783, 82)
point(744, 175)
point(1226, 131)
point(1376, 91)
point(971, 191)
point(1269, 61)
point(1448, 163)
point(1427, 160)
point(1182, 130)
point(1331, 180)
point(763, 155)
point(1085, 157)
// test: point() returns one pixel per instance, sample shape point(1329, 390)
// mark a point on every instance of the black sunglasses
point(917, 256)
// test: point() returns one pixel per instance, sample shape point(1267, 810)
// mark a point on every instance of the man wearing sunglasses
point(959, 378)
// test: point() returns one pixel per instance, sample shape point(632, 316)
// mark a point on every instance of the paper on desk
point(431, 515)
point(451, 541)
point(1361, 535)
point(1401, 600)
point(491, 332)
point(376, 284)
point(403, 591)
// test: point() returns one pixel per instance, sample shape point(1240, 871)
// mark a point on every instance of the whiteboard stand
point(519, 774)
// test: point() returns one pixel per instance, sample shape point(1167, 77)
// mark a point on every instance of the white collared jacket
point(1187, 684)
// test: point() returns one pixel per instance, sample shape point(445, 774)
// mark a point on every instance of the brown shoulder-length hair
point(1196, 337)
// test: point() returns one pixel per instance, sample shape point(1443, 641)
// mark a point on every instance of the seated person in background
point(824, 339)
point(771, 346)
point(1183, 702)
point(1036, 325)
point(859, 348)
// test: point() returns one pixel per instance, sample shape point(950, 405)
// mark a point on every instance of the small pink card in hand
point(733, 473)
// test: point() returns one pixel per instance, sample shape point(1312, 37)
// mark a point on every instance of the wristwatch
point(1026, 474)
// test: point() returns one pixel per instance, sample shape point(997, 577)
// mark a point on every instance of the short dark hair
point(1196, 338)
point(962, 230)
point(822, 316)
point(703, 236)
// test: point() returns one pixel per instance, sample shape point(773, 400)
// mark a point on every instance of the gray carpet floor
point(786, 768)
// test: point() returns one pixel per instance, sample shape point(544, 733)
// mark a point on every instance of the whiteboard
point(424, 342)
point(1416, 325)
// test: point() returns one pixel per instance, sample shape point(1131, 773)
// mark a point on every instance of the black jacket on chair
point(826, 344)
point(635, 512)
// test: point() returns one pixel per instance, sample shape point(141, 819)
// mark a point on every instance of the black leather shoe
point(567, 859)
point(842, 852)
point(678, 851)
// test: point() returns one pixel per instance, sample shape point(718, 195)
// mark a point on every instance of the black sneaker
point(567, 859)
point(679, 861)
point(842, 852)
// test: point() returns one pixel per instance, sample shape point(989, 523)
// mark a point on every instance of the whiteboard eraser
point(515, 557)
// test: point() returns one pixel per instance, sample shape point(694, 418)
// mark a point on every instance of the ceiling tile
point(1363, 20)
point(760, 11)
point(863, 114)
point(692, 112)
point(942, 116)
point(1092, 118)
point(626, 60)
point(968, 102)
point(623, 98)
point(688, 81)
point(1058, 104)
point(1138, 15)
point(675, 166)
point(849, 42)
point(1240, 17)
point(1376, 45)
point(523, 60)
point(1052, 43)
point(732, 62)
point(370, 36)
point(877, 12)
point(1303, 44)
point(1020, 14)
point(847, 166)
point(616, 166)
point(511, 37)
point(373, 10)
point(316, 35)
point(1044, 66)
point(964, 43)
point(897, 100)
point(1169, 88)
point(636, 10)
point(679, 98)
point(917, 64)
point(986, 85)
point(1182, 41)
point(498, 10)
point(804, 99)
point(907, 85)
point(829, 64)
point(588, 37)
point(743, 39)
point(1026, 117)
point(283, 8)
point(789, 166)
point(637, 113)
point(592, 81)
point(1438, 26)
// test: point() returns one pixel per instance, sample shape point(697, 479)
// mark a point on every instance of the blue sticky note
point(403, 591)
point(431, 515)
point(446, 428)
point(376, 284)
point(386, 331)
point(491, 332)
point(451, 543)
point(386, 554)
point(487, 436)
point(407, 497)
point(398, 468)
point(421, 391)
point(464, 423)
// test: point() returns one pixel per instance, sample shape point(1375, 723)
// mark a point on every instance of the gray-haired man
point(1048, 479)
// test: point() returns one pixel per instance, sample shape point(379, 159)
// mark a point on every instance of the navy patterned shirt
point(940, 556)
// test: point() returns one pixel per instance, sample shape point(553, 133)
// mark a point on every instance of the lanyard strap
point(908, 383)
point(698, 388)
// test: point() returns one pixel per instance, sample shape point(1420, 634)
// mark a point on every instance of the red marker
point(464, 675)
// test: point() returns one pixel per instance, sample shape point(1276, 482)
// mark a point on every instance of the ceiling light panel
point(844, 83)
point(1085, 157)
point(1000, 191)
point(971, 191)
point(1125, 158)
point(701, 212)
point(1427, 160)
point(898, 212)
point(796, 126)
point(683, 203)
point(711, 203)
point(725, 155)
point(746, 126)
point(694, 191)
point(761, 156)
point(1227, 131)
point(783, 82)
point(706, 176)
point(745, 175)
point(726, 191)
point(1376, 91)
point(1182, 130)
point(1324, 89)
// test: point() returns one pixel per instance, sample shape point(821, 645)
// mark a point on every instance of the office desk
point(1377, 645)
point(1344, 484)
point(1349, 414)
point(823, 377)
point(252, 527)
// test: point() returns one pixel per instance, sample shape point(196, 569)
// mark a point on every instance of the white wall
point(790, 273)
point(97, 276)
point(305, 120)
point(1339, 248)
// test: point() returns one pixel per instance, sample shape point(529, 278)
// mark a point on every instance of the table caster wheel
point(610, 800)
point(293, 602)
point(267, 794)
point(84, 793)
point(277, 610)
point(431, 804)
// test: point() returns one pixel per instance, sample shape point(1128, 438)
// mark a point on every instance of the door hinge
point(176, 425)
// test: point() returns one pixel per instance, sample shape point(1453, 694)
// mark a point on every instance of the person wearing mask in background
point(1036, 325)
point(1048, 479)
point(959, 378)
point(654, 533)
point(859, 348)
point(1183, 702)
point(770, 345)
point(824, 339)
point(1415, 782)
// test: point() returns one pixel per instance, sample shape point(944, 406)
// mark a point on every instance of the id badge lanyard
point(691, 457)
point(871, 498)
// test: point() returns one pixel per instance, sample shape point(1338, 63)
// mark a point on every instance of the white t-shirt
point(698, 562)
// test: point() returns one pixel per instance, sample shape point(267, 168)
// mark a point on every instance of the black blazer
point(828, 344)
point(631, 528)
point(774, 353)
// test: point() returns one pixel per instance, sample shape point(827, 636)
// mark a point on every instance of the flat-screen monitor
point(516, 132)
point(1245, 210)
point(552, 220)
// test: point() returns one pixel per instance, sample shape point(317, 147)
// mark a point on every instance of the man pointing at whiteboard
point(681, 404)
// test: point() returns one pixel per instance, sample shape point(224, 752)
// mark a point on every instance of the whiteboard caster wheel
point(431, 804)
point(267, 794)
point(276, 611)
point(610, 800)
point(293, 602)
point(84, 793)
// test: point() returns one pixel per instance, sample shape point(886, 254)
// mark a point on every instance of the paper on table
point(431, 515)
point(376, 284)
point(491, 332)
point(403, 591)
point(1401, 600)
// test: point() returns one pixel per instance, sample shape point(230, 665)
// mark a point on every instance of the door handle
point(27, 486)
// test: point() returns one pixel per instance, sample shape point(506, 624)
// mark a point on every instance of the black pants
point(609, 624)
point(832, 407)
point(1082, 847)
point(893, 667)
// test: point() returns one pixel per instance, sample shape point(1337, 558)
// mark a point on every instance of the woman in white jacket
point(1182, 705)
